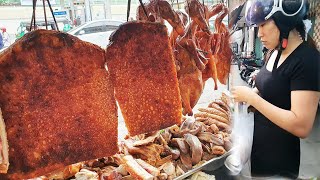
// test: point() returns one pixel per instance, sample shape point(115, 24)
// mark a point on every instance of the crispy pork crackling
point(57, 103)
point(142, 69)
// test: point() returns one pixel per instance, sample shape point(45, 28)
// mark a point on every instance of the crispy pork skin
point(57, 103)
point(142, 69)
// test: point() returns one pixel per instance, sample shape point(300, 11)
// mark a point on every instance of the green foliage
point(9, 2)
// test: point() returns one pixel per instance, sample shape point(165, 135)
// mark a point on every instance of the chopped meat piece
point(149, 168)
point(135, 169)
point(218, 150)
point(195, 147)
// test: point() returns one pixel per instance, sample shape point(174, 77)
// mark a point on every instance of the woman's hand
point(243, 94)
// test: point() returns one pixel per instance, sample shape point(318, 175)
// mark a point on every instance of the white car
point(96, 32)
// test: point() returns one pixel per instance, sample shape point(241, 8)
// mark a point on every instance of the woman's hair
point(300, 27)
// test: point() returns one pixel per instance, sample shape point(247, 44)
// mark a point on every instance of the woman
point(287, 88)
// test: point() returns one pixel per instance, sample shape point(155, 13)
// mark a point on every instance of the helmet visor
point(257, 11)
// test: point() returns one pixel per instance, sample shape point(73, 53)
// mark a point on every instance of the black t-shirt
point(276, 152)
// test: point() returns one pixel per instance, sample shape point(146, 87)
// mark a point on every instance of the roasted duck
point(57, 104)
point(194, 45)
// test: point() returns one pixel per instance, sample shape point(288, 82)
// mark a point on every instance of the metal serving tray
point(210, 165)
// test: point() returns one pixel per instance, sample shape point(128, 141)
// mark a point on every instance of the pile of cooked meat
point(163, 154)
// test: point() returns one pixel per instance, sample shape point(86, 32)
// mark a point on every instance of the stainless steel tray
point(210, 165)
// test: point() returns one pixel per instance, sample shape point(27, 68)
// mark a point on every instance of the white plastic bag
point(242, 137)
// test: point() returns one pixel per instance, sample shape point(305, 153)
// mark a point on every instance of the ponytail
point(301, 28)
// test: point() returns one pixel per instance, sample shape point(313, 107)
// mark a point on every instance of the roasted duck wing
point(222, 50)
point(57, 103)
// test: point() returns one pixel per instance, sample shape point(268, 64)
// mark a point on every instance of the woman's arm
point(298, 120)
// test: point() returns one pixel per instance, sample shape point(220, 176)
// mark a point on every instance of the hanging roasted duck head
point(196, 11)
point(168, 13)
point(158, 11)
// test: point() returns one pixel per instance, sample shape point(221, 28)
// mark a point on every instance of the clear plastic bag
point(242, 137)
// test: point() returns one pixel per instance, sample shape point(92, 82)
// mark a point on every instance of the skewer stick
point(128, 9)
point(30, 28)
point(55, 22)
point(33, 19)
point(144, 9)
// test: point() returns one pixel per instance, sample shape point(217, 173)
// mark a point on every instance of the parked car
point(24, 27)
point(96, 32)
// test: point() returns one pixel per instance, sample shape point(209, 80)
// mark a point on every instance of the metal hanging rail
point(33, 18)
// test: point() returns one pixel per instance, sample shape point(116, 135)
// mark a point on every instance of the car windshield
point(96, 26)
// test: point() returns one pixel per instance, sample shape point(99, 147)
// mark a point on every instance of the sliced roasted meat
point(135, 169)
point(221, 105)
point(186, 161)
point(195, 148)
point(168, 168)
point(227, 143)
point(148, 140)
point(210, 138)
point(209, 121)
point(215, 112)
point(181, 144)
point(214, 128)
point(149, 168)
point(218, 150)
point(190, 126)
point(150, 153)
point(212, 116)
point(208, 156)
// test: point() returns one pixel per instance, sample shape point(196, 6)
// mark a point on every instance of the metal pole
point(87, 10)
point(108, 9)
point(144, 9)
point(62, 4)
point(32, 18)
point(72, 10)
point(128, 10)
